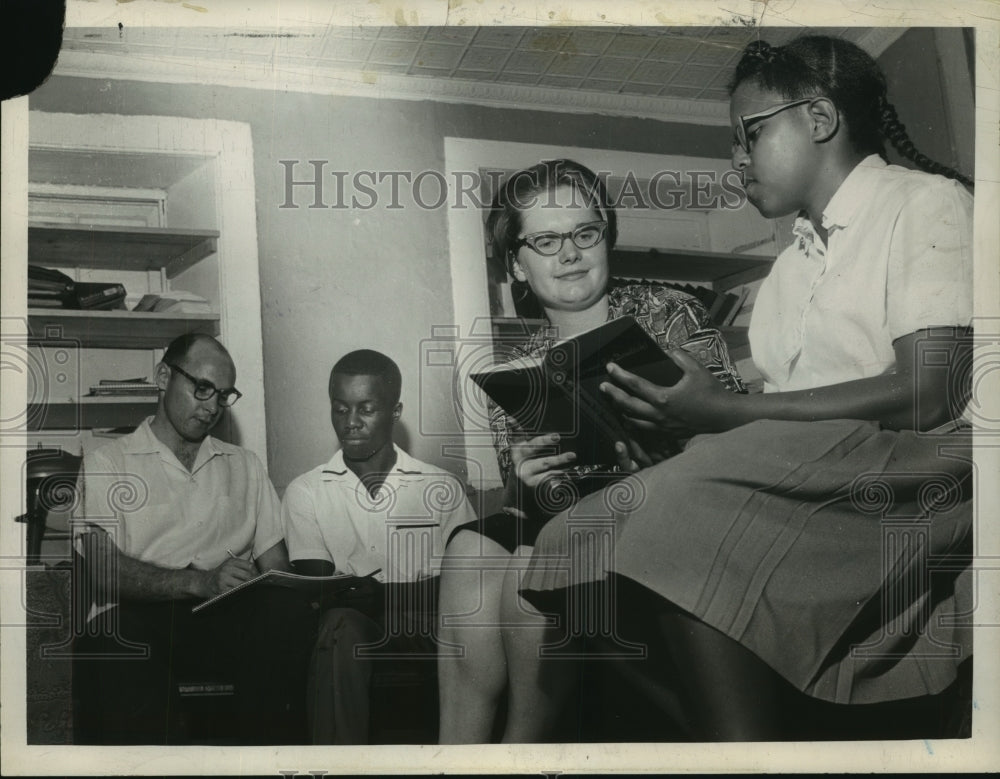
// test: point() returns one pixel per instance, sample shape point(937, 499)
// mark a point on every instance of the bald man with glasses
point(171, 517)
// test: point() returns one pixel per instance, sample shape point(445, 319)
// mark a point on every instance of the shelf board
point(119, 248)
point(116, 329)
point(724, 271)
point(89, 412)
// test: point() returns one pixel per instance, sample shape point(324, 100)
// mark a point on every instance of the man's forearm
point(138, 580)
point(116, 575)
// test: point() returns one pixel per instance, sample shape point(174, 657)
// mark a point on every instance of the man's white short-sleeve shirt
point(158, 511)
point(329, 514)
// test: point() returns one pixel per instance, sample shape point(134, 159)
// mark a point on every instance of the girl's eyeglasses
point(742, 138)
point(583, 236)
point(205, 390)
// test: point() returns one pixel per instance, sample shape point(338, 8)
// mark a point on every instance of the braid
point(895, 132)
point(843, 72)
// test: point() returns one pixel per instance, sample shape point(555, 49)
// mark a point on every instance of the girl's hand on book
point(642, 450)
point(534, 461)
point(226, 576)
point(631, 457)
point(697, 403)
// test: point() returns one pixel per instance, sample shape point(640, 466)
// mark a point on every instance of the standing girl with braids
point(795, 540)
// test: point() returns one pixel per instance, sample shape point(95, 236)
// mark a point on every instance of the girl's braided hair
point(838, 69)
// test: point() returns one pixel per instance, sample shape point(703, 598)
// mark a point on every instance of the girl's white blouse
point(898, 260)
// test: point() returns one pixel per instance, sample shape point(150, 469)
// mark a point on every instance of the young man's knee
point(342, 628)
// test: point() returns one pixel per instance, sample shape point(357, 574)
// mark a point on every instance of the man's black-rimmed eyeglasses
point(205, 390)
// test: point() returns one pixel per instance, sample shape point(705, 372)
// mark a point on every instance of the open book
point(558, 393)
point(313, 585)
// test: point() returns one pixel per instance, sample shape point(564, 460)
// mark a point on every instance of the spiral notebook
point(313, 585)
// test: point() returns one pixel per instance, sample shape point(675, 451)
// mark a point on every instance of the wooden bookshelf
point(89, 412)
point(122, 248)
point(116, 329)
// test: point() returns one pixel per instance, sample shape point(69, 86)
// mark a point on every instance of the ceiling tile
point(271, 42)
point(498, 37)
point(450, 34)
point(439, 55)
point(658, 73)
point(721, 78)
point(716, 93)
point(673, 48)
point(561, 82)
point(689, 63)
point(422, 70)
point(732, 36)
point(626, 45)
point(685, 93)
point(565, 64)
point(388, 52)
point(474, 75)
point(479, 58)
point(533, 62)
point(354, 33)
point(694, 76)
point(546, 39)
point(585, 40)
point(601, 85)
point(635, 88)
point(711, 53)
point(518, 78)
point(402, 33)
point(350, 49)
point(613, 68)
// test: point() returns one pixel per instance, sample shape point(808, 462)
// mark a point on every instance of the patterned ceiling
point(691, 63)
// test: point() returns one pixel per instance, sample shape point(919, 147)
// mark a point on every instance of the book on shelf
point(45, 284)
point(559, 392)
point(97, 296)
point(176, 301)
point(124, 387)
point(48, 288)
point(146, 303)
point(319, 586)
point(44, 302)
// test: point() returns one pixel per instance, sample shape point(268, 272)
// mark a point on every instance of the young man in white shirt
point(371, 507)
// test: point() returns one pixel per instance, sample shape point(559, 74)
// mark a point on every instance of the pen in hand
point(236, 557)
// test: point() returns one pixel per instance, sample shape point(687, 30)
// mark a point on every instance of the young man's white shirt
point(328, 514)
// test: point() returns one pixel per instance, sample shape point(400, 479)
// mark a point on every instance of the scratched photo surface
point(303, 182)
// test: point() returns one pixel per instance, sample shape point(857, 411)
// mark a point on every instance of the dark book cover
point(44, 302)
point(560, 392)
point(312, 586)
point(44, 283)
point(97, 295)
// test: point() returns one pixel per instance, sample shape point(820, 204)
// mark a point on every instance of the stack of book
point(176, 301)
point(49, 288)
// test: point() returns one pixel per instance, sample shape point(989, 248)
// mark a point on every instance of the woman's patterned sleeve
point(501, 427)
point(683, 321)
point(709, 348)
